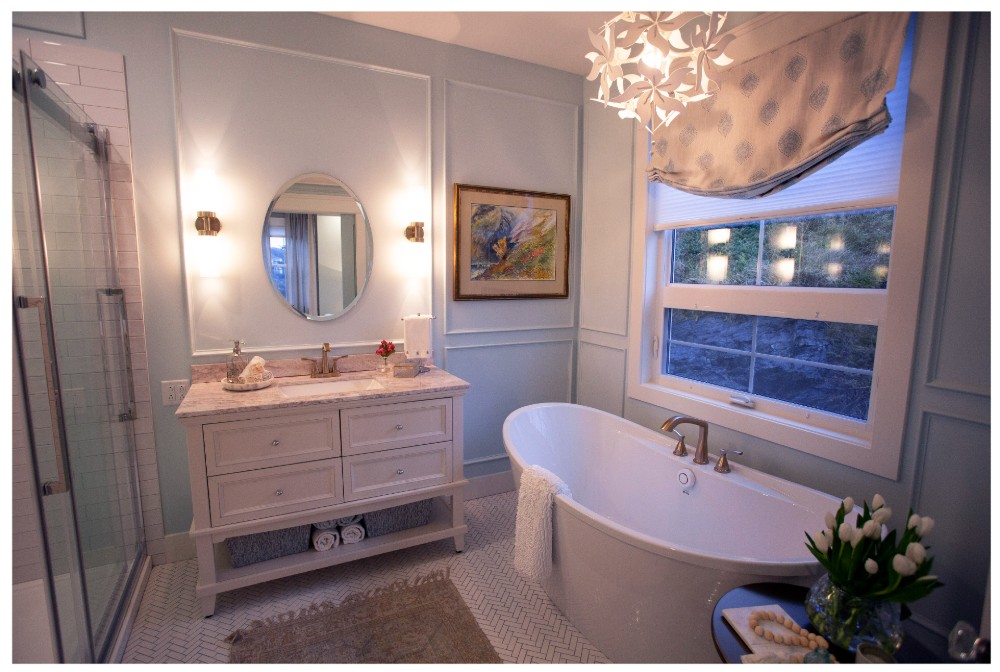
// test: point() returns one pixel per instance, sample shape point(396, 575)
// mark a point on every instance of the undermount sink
point(331, 387)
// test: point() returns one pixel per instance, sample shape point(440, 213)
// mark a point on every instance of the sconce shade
point(415, 232)
point(207, 223)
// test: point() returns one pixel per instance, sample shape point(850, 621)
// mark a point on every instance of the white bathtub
point(639, 560)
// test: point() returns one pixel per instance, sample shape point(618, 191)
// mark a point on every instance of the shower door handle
point(128, 412)
point(61, 484)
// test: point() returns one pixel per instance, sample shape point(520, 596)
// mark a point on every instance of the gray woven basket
point(398, 518)
point(262, 546)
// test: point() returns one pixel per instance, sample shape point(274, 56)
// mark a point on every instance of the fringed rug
point(423, 621)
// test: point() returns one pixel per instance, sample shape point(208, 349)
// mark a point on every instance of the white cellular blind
point(866, 175)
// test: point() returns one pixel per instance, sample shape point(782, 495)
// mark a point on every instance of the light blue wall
point(489, 121)
point(944, 469)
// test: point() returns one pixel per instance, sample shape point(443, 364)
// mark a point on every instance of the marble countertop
point(210, 399)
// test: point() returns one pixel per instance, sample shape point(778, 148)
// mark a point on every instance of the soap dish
point(247, 387)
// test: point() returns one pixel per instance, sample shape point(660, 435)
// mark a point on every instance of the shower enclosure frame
point(94, 641)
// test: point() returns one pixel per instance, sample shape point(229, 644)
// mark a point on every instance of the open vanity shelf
point(265, 461)
point(441, 526)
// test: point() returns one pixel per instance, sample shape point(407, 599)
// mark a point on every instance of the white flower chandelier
point(651, 65)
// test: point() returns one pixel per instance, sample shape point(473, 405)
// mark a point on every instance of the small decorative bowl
point(248, 387)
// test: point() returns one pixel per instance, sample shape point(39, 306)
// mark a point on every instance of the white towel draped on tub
point(324, 540)
point(533, 525)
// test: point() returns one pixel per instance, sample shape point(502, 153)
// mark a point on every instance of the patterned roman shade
point(782, 115)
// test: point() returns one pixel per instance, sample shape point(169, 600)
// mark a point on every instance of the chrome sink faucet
point(327, 366)
point(701, 450)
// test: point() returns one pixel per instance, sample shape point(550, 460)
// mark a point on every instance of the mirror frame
point(266, 247)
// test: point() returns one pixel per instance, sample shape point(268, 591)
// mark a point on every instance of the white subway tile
point(61, 73)
point(103, 79)
point(89, 95)
point(44, 50)
point(106, 116)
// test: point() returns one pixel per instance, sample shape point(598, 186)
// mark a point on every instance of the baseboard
point(490, 484)
point(32, 629)
point(179, 546)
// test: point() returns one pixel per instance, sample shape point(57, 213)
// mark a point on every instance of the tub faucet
point(701, 450)
point(327, 366)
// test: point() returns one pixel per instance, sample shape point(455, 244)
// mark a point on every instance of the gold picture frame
point(510, 244)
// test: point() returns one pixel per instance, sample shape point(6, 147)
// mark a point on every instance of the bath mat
point(423, 621)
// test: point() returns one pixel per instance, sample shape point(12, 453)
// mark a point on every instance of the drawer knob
point(399, 471)
point(399, 427)
point(275, 442)
point(279, 492)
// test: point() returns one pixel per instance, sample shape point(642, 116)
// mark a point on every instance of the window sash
point(854, 306)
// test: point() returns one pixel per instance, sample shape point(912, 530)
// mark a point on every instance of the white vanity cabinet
point(262, 461)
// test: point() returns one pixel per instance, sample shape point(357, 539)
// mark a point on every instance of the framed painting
point(510, 244)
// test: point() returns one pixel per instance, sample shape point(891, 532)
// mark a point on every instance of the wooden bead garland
point(798, 636)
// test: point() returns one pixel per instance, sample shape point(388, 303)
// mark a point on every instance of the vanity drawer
point(412, 423)
point(235, 498)
point(270, 442)
point(399, 470)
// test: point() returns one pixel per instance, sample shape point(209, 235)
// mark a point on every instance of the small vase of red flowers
point(385, 349)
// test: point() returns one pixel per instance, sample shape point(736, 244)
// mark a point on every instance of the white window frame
point(875, 446)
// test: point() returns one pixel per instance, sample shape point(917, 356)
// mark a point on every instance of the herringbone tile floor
point(517, 616)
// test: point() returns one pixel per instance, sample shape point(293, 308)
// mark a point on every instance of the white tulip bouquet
point(867, 561)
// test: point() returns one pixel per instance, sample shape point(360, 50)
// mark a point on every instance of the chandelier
point(651, 65)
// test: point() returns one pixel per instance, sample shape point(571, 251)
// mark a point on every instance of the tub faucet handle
point(722, 466)
point(681, 449)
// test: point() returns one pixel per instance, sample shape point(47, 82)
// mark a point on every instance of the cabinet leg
point(207, 606)
point(459, 543)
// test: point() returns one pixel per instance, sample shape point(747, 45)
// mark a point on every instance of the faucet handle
point(681, 449)
point(722, 466)
point(312, 364)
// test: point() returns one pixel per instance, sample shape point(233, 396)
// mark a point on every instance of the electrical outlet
point(173, 391)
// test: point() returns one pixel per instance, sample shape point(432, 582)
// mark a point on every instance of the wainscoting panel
point(600, 380)
point(606, 220)
point(955, 476)
point(505, 377)
point(962, 310)
point(496, 138)
point(276, 114)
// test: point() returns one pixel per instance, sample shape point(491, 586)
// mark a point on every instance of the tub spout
point(701, 450)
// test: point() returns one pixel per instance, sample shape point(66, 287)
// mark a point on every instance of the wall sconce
point(207, 223)
point(208, 227)
point(415, 232)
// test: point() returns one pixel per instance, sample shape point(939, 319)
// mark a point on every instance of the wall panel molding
point(390, 171)
point(536, 152)
point(963, 172)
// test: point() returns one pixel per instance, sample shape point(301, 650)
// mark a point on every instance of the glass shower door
point(72, 335)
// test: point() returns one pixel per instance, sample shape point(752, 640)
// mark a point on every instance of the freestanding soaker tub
point(648, 542)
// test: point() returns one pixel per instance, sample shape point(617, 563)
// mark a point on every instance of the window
point(781, 317)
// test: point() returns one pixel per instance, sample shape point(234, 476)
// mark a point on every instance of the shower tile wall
point(95, 80)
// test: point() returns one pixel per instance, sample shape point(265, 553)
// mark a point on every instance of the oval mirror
point(317, 245)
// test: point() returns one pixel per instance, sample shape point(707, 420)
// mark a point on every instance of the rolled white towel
point(348, 520)
point(325, 524)
point(324, 540)
point(533, 523)
point(352, 534)
point(254, 371)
